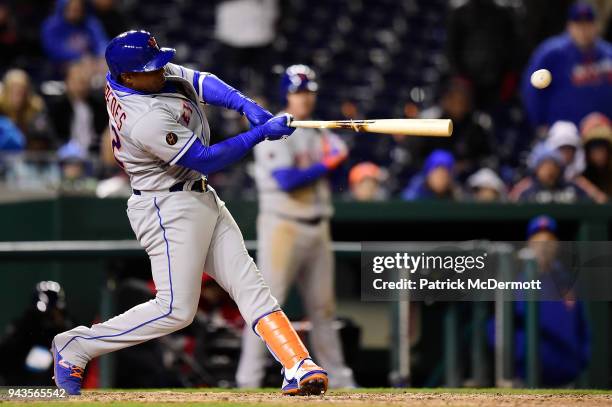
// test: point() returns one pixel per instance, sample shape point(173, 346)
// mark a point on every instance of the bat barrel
point(410, 127)
point(413, 127)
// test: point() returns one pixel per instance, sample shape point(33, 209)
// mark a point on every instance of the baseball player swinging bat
point(408, 127)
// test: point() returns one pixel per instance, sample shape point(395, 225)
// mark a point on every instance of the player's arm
point(159, 133)
point(218, 93)
point(210, 159)
point(291, 178)
point(214, 91)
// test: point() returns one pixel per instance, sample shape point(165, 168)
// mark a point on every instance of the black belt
point(307, 221)
point(200, 185)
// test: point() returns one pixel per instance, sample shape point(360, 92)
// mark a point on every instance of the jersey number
point(116, 143)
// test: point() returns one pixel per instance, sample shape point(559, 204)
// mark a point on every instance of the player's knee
point(182, 316)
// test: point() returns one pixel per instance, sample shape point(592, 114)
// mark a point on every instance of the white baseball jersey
point(151, 132)
point(304, 148)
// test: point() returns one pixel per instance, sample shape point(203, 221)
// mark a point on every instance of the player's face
point(545, 247)
point(301, 104)
point(144, 81)
point(583, 33)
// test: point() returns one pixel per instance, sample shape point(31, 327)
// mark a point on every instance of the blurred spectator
point(365, 182)
point(486, 186)
point(482, 43)
point(471, 143)
point(9, 38)
point(564, 342)
point(71, 33)
point(349, 110)
point(11, 138)
point(596, 132)
point(79, 115)
point(114, 181)
point(546, 184)
point(26, 109)
point(246, 29)
point(581, 67)
point(24, 348)
point(75, 168)
point(110, 16)
point(436, 179)
point(564, 137)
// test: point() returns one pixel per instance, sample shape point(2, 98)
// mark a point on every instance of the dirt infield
point(417, 398)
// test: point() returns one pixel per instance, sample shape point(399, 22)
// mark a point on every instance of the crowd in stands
point(511, 142)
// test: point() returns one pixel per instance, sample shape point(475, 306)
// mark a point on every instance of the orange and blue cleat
point(306, 379)
point(67, 376)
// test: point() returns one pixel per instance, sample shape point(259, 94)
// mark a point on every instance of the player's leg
point(317, 291)
point(175, 229)
point(276, 247)
point(229, 263)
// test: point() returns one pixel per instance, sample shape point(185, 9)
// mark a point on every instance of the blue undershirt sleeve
point(218, 93)
point(292, 178)
point(210, 159)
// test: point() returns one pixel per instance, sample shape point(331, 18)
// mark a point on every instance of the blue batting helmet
point(136, 51)
point(297, 78)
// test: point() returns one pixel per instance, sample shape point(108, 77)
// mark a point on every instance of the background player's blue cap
point(541, 223)
point(136, 51)
point(297, 78)
point(581, 12)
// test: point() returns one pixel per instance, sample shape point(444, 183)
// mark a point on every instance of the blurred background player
point(563, 333)
point(294, 243)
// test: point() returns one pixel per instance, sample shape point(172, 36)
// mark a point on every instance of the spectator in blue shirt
point(581, 67)
point(11, 138)
point(435, 180)
point(71, 33)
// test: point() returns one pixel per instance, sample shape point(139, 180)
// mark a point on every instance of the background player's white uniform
point(294, 245)
point(184, 233)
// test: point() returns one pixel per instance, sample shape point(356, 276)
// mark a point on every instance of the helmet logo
point(153, 43)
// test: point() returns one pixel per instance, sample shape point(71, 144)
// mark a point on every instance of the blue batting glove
point(277, 127)
point(255, 114)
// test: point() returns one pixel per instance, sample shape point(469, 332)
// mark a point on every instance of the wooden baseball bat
point(409, 127)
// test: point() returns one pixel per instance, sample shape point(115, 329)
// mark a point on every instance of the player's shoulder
point(554, 45)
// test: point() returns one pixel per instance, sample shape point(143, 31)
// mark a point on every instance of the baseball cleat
point(66, 375)
point(308, 380)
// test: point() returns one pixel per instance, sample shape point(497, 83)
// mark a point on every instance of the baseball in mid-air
point(541, 78)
